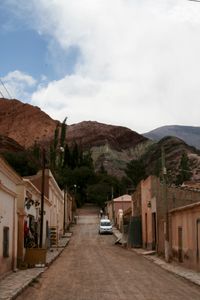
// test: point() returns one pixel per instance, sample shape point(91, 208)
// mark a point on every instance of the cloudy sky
point(134, 63)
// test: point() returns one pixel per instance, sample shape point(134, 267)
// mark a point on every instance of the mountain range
point(22, 125)
point(189, 134)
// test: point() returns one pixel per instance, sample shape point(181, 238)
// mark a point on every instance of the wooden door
point(154, 231)
point(180, 244)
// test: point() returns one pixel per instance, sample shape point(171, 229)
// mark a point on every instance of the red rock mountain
point(112, 146)
point(94, 134)
point(26, 124)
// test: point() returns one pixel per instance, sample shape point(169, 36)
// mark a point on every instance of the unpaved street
point(93, 268)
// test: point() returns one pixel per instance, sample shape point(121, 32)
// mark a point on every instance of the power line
point(9, 95)
point(1, 94)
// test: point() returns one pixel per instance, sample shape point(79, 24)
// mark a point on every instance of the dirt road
point(93, 268)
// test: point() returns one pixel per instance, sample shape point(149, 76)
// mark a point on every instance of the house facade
point(176, 197)
point(185, 235)
point(152, 202)
point(9, 180)
point(29, 220)
point(116, 208)
point(149, 197)
point(55, 224)
point(156, 202)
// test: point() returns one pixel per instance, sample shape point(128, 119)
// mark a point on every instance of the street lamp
point(61, 150)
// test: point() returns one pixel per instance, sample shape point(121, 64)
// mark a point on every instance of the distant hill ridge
point(26, 124)
point(111, 146)
point(189, 134)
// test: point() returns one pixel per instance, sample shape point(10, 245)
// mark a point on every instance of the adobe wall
point(37, 183)
point(7, 219)
point(176, 197)
point(187, 221)
point(149, 189)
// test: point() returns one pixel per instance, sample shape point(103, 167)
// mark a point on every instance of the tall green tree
point(53, 148)
point(63, 133)
point(57, 148)
point(23, 162)
point(74, 156)
point(61, 147)
point(98, 193)
point(135, 171)
point(67, 157)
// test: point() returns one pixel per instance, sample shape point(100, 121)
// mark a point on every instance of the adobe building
point(150, 206)
point(185, 235)
point(56, 199)
point(29, 221)
point(117, 206)
point(156, 202)
point(9, 180)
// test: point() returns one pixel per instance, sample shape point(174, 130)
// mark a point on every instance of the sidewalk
point(13, 284)
point(172, 267)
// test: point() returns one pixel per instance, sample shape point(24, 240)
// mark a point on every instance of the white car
point(105, 226)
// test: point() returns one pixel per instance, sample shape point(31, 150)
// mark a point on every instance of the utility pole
point(42, 197)
point(64, 213)
point(113, 211)
point(165, 200)
point(122, 218)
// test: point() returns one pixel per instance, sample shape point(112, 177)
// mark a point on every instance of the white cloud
point(18, 84)
point(139, 60)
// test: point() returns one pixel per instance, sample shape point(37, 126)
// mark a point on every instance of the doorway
point(180, 244)
point(146, 236)
point(154, 231)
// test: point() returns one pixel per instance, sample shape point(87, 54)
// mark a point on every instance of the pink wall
point(149, 212)
point(146, 213)
point(123, 202)
point(124, 205)
point(185, 235)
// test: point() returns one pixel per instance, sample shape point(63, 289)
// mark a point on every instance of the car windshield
point(105, 223)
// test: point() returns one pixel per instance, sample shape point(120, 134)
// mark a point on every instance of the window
point(105, 223)
point(6, 242)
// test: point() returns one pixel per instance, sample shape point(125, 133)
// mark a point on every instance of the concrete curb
point(61, 249)
point(190, 275)
point(180, 271)
point(14, 284)
point(24, 286)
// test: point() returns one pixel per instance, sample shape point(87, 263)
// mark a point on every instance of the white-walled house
point(56, 199)
point(9, 180)
point(28, 205)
